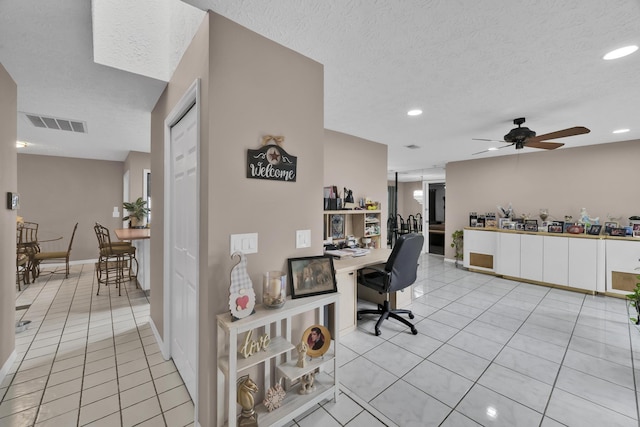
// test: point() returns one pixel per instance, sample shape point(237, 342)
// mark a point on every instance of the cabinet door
point(508, 254)
point(583, 263)
point(479, 249)
point(347, 287)
point(556, 260)
point(531, 248)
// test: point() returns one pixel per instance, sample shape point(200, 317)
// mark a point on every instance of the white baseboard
point(7, 365)
point(164, 349)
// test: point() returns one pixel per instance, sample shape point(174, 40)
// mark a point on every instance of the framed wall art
point(313, 275)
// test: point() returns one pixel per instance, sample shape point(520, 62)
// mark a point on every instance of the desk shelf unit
point(359, 223)
point(280, 358)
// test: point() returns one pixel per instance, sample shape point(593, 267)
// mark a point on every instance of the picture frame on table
point(594, 230)
point(531, 225)
point(520, 226)
point(337, 226)
point(556, 227)
point(636, 230)
point(314, 275)
point(609, 225)
point(618, 232)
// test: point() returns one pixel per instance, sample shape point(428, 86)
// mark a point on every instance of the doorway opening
point(437, 206)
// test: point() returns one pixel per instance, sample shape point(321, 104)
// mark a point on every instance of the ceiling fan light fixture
point(21, 144)
point(415, 112)
point(621, 130)
point(621, 52)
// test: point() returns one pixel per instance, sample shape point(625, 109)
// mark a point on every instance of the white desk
point(347, 280)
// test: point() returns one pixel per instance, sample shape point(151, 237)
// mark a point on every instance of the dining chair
point(43, 257)
point(27, 244)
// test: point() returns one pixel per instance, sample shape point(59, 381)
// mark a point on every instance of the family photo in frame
point(313, 275)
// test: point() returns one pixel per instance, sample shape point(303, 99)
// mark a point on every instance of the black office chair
point(399, 272)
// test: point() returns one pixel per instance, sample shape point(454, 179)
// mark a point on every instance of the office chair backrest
point(403, 261)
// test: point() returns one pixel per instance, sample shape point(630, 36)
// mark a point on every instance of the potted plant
point(634, 301)
point(457, 243)
point(137, 212)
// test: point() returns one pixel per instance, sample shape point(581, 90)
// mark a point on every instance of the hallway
point(89, 360)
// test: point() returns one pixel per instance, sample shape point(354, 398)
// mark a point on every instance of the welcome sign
point(271, 161)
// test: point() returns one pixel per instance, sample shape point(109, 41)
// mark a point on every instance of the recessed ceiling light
point(619, 53)
point(414, 112)
point(21, 144)
point(621, 130)
point(492, 149)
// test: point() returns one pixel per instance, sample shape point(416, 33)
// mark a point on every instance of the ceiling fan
point(524, 137)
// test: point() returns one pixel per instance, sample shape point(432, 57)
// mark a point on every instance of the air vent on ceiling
point(56, 123)
point(412, 147)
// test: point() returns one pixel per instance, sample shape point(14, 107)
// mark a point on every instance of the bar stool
point(113, 258)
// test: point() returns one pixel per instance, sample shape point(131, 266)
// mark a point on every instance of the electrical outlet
point(303, 239)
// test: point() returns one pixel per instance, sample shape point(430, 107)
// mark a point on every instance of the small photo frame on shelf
point(318, 339)
point(531, 225)
point(337, 226)
point(594, 230)
point(520, 226)
point(312, 275)
point(609, 225)
point(618, 232)
point(556, 227)
point(636, 230)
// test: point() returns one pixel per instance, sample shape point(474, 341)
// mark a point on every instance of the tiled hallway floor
point(489, 352)
point(89, 360)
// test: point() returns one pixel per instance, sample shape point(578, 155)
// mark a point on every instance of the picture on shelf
point(618, 232)
point(556, 227)
point(318, 340)
point(594, 230)
point(337, 226)
point(520, 226)
point(312, 275)
point(531, 225)
point(609, 225)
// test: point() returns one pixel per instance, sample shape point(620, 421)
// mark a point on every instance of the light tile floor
point(89, 360)
point(489, 352)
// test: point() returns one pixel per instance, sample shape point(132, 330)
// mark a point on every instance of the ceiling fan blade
point(486, 140)
point(545, 145)
point(497, 148)
point(578, 130)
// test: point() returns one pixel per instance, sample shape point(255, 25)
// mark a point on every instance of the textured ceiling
point(472, 66)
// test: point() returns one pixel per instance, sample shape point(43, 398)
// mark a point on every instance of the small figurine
point(242, 297)
point(302, 354)
point(246, 388)
point(506, 213)
point(586, 220)
point(274, 396)
point(307, 383)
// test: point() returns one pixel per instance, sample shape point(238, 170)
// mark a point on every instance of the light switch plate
point(303, 239)
point(245, 243)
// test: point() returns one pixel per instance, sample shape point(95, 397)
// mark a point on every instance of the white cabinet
point(623, 256)
point(508, 259)
point(479, 250)
point(348, 289)
point(555, 260)
point(583, 263)
point(531, 257)
point(278, 360)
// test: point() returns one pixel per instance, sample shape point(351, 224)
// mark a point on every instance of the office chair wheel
point(411, 316)
point(414, 331)
point(378, 332)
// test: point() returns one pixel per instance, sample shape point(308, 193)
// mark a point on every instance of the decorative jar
point(274, 286)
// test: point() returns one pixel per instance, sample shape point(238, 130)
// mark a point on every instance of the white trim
point(191, 98)
point(163, 346)
point(8, 364)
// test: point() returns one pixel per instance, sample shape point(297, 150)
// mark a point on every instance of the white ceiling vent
point(412, 147)
point(56, 123)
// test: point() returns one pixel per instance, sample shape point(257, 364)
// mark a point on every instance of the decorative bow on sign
point(277, 139)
